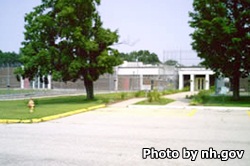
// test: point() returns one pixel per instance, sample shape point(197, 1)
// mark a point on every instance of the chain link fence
point(106, 83)
point(7, 78)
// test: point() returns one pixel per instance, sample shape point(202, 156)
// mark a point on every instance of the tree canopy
point(221, 37)
point(9, 59)
point(66, 38)
point(143, 56)
point(172, 62)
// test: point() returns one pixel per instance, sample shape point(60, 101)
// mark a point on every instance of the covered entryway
point(199, 78)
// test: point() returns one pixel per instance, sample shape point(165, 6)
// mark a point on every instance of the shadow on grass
point(227, 101)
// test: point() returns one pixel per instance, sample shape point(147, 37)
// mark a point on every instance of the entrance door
point(199, 84)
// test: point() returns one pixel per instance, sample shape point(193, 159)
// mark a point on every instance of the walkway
point(180, 103)
point(180, 100)
point(126, 103)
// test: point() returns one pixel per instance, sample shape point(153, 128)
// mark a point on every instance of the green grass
point(227, 101)
point(207, 99)
point(52, 106)
point(162, 101)
point(154, 97)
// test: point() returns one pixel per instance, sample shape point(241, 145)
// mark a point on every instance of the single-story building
point(138, 76)
point(197, 78)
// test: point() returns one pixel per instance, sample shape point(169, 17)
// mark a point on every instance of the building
point(197, 78)
point(138, 76)
point(131, 76)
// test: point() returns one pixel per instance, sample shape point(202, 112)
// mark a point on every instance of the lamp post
point(8, 77)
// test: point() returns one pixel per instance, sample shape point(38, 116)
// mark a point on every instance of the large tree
point(222, 37)
point(143, 56)
point(66, 38)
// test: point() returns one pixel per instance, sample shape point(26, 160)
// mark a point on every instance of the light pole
point(8, 77)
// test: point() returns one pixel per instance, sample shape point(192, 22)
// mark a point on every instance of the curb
point(191, 107)
point(52, 117)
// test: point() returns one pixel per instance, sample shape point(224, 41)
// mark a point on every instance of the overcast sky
point(160, 26)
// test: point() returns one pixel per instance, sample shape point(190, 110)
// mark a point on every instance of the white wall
point(137, 71)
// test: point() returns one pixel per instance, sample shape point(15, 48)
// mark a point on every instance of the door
point(199, 84)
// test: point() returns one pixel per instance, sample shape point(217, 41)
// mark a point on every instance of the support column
point(116, 79)
point(207, 82)
point(33, 84)
point(43, 86)
point(141, 82)
point(38, 82)
point(22, 82)
point(181, 81)
point(192, 82)
point(49, 81)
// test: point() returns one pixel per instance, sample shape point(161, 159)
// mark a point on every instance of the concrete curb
point(53, 117)
point(190, 107)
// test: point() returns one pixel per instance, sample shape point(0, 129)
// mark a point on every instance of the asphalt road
point(116, 136)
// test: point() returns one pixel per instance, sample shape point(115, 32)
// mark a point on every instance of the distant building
point(132, 76)
point(138, 76)
point(197, 78)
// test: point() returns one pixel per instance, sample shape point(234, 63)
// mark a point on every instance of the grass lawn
point(227, 101)
point(162, 101)
point(51, 106)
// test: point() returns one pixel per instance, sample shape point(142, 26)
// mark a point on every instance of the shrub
point(154, 95)
point(189, 96)
point(186, 89)
point(201, 97)
point(123, 95)
point(169, 92)
point(140, 93)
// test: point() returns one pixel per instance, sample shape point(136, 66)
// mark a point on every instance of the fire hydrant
point(31, 105)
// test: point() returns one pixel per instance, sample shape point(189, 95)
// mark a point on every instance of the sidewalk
point(180, 103)
point(180, 99)
point(127, 103)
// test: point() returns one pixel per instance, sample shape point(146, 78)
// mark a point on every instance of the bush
point(169, 92)
point(186, 89)
point(201, 98)
point(123, 95)
point(140, 93)
point(189, 96)
point(154, 95)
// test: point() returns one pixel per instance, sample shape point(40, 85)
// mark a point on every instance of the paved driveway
point(116, 136)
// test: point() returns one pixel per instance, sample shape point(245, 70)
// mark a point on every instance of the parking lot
point(116, 136)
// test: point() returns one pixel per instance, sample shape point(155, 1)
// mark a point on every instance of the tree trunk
point(236, 87)
point(89, 89)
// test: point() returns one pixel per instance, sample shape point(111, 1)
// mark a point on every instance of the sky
point(160, 26)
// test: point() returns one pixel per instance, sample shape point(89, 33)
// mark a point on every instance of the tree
point(171, 62)
point(9, 58)
point(143, 56)
point(66, 38)
point(222, 37)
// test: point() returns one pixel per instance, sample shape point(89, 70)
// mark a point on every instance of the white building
point(137, 76)
point(197, 78)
